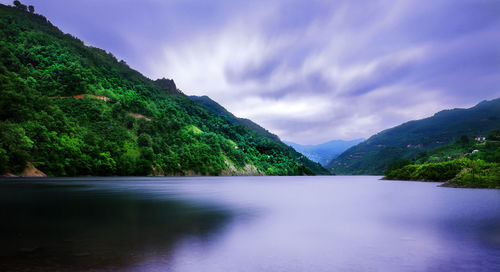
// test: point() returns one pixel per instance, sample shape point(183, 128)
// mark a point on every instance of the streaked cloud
point(310, 71)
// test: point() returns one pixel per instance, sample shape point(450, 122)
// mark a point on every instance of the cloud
point(310, 71)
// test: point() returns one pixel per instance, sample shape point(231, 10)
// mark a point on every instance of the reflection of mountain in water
point(50, 227)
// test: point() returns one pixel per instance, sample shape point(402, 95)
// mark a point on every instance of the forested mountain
point(409, 139)
point(322, 153)
point(325, 152)
point(70, 109)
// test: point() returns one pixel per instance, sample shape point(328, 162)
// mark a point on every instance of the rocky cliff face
point(168, 85)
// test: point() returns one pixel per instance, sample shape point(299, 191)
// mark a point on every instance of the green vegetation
point(71, 109)
point(216, 108)
point(465, 163)
point(408, 140)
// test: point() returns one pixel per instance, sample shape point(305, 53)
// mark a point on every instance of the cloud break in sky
point(309, 71)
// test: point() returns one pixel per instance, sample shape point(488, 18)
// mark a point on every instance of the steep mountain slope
point(216, 108)
point(407, 140)
point(71, 109)
point(325, 152)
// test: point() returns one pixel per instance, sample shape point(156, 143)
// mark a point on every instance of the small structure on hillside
point(480, 138)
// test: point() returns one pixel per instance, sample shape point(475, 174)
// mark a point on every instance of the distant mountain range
point(409, 139)
point(325, 152)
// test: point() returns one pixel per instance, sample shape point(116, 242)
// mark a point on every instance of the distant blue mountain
point(325, 152)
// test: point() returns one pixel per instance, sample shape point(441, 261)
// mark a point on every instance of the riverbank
point(459, 173)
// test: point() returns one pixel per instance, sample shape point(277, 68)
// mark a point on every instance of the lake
point(246, 224)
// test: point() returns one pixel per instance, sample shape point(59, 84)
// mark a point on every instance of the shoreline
point(444, 184)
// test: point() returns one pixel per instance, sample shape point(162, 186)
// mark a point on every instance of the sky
point(308, 71)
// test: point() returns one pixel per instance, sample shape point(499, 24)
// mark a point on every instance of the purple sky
point(309, 71)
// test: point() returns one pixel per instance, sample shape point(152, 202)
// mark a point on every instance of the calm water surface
point(246, 224)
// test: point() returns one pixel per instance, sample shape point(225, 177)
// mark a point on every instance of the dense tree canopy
point(71, 109)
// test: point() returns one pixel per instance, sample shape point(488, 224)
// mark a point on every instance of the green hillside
point(409, 139)
point(70, 109)
point(465, 163)
point(216, 108)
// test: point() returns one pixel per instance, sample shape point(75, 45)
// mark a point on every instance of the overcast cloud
point(309, 71)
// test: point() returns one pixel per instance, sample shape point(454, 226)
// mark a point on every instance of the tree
point(144, 140)
point(17, 146)
point(464, 141)
point(396, 165)
point(105, 164)
point(4, 160)
point(31, 8)
point(20, 6)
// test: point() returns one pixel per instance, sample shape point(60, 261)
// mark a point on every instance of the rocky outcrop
point(247, 170)
point(29, 171)
point(168, 85)
point(32, 171)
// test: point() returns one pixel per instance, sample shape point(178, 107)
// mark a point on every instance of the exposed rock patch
point(32, 171)
point(81, 96)
point(247, 170)
point(139, 116)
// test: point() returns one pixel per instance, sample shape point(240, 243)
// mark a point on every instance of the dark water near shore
point(246, 224)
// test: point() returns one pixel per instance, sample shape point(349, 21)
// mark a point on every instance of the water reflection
point(248, 224)
point(55, 226)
